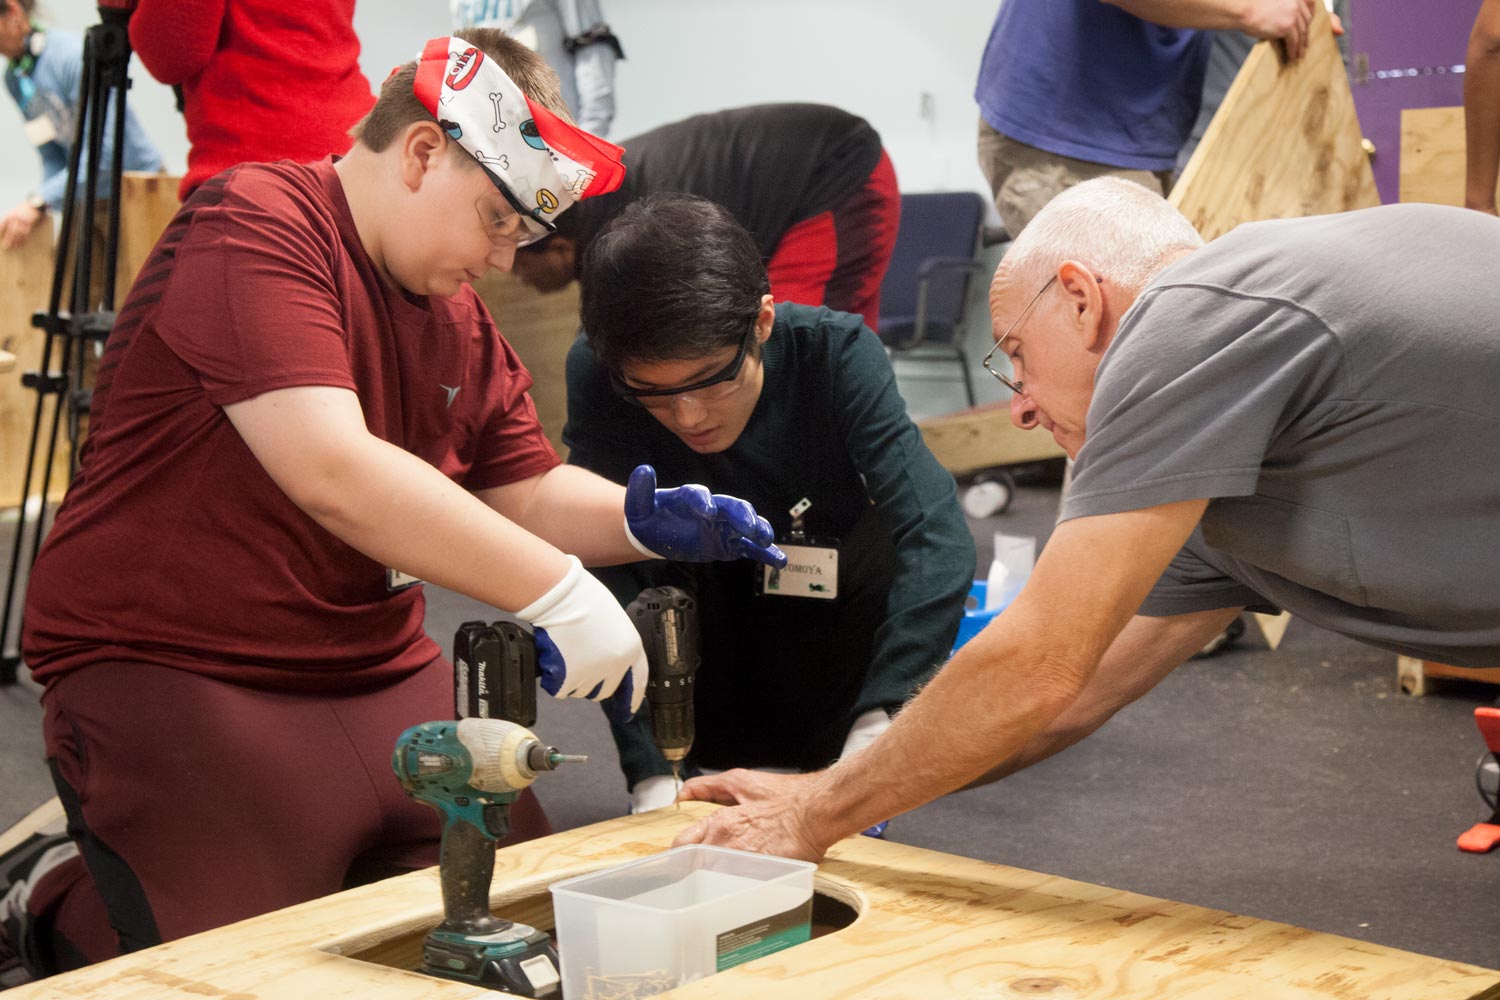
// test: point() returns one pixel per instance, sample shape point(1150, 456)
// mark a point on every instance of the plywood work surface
point(1284, 143)
point(931, 926)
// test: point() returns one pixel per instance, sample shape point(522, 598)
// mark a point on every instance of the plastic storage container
point(647, 926)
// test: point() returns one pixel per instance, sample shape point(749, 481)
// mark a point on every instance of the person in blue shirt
point(43, 72)
point(574, 39)
point(1074, 89)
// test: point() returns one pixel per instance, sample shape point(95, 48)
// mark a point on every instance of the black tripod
point(105, 79)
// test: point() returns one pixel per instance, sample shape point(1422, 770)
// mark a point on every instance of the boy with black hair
point(812, 185)
point(688, 363)
point(301, 413)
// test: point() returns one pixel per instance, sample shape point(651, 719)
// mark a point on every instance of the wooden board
point(1433, 150)
point(1273, 627)
point(982, 438)
point(1285, 143)
point(25, 280)
point(1412, 674)
point(48, 814)
point(929, 925)
point(541, 328)
point(147, 203)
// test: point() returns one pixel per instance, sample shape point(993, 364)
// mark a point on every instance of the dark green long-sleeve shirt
point(783, 678)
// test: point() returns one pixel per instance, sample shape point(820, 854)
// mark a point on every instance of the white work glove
point(586, 646)
point(866, 730)
point(655, 792)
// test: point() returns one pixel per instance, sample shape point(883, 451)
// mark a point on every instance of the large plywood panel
point(929, 925)
point(1433, 152)
point(1285, 143)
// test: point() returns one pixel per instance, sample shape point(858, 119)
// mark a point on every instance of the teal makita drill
point(471, 771)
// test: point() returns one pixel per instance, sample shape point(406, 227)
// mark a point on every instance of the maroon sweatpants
point(197, 803)
point(838, 258)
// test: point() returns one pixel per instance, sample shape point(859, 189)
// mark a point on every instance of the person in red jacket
point(246, 86)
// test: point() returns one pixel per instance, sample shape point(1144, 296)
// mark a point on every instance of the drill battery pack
point(494, 672)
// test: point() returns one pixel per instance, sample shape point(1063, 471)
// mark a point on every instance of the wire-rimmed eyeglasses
point(1006, 380)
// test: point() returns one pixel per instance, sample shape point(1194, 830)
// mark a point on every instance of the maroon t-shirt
point(173, 545)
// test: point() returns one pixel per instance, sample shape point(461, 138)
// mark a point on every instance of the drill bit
point(677, 782)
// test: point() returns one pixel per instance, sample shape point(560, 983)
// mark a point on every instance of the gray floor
point(1297, 786)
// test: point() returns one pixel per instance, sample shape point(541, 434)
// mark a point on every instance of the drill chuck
point(667, 619)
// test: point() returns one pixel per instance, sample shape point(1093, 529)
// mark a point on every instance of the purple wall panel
point(1404, 54)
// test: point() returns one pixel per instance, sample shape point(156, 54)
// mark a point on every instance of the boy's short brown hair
point(398, 106)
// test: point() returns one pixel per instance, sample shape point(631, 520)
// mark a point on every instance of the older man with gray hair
point(1300, 415)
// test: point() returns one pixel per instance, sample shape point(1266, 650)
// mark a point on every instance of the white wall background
point(907, 68)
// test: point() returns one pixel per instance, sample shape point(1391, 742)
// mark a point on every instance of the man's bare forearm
point(1143, 654)
point(1482, 109)
point(1012, 683)
point(952, 733)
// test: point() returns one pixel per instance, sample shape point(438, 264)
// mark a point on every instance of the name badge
point(397, 580)
point(812, 570)
point(40, 130)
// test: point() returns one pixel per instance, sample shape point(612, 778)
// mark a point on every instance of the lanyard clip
point(798, 509)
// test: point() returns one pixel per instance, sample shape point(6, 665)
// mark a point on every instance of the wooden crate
point(927, 925)
point(147, 203)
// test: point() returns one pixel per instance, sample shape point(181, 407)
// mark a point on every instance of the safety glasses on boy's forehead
point(540, 163)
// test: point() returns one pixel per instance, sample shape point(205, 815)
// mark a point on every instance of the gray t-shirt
point(1332, 385)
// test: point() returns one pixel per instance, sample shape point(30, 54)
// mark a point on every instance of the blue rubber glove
point(689, 524)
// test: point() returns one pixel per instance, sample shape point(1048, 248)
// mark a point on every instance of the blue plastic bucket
point(977, 617)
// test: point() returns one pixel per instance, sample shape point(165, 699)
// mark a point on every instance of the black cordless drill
point(667, 619)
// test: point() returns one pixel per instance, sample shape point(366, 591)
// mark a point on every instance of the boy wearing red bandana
point(302, 407)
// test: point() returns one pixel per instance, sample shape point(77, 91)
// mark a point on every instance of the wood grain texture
point(541, 328)
point(930, 925)
point(25, 278)
point(147, 204)
point(983, 437)
point(1433, 148)
point(1285, 143)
